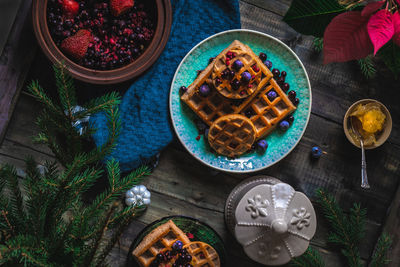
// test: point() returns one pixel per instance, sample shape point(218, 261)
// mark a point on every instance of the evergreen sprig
point(44, 220)
point(318, 44)
point(347, 230)
point(310, 258)
point(59, 229)
point(58, 120)
point(367, 67)
point(379, 258)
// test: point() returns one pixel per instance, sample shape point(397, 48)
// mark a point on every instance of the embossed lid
point(274, 223)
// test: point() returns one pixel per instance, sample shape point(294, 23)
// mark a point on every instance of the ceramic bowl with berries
point(102, 41)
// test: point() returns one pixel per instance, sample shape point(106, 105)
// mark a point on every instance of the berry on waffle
point(160, 239)
point(203, 255)
point(239, 73)
point(267, 109)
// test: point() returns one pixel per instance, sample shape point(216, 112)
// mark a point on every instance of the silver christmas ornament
point(138, 195)
point(272, 221)
point(82, 124)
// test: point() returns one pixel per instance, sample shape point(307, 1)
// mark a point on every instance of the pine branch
point(29, 258)
point(103, 103)
point(40, 138)
point(23, 248)
point(367, 67)
point(16, 214)
point(99, 236)
point(3, 173)
point(114, 126)
point(113, 172)
point(66, 89)
point(342, 227)
point(311, 258)
point(101, 256)
point(69, 193)
point(35, 197)
point(356, 224)
point(110, 195)
point(37, 91)
point(318, 44)
point(82, 181)
point(51, 225)
point(379, 257)
point(57, 121)
point(60, 239)
point(119, 216)
point(9, 228)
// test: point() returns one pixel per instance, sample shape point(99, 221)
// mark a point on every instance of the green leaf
point(311, 17)
point(390, 54)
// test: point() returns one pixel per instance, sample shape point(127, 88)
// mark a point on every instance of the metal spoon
point(355, 125)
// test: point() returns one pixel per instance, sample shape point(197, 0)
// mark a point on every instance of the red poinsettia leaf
point(346, 38)
point(372, 8)
point(396, 24)
point(380, 28)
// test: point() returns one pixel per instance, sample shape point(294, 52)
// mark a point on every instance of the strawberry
point(77, 45)
point(70, 8)
point(119, 7)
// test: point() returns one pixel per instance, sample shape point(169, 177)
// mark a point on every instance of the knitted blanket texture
point(145, 122)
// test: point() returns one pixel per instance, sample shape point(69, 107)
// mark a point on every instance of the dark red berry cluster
point(229, 55)
point(177, 254)
point(117, 41)
point(280, 79)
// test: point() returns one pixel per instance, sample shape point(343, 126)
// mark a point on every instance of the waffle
point(251, 63)
point(160, 239)
point(203, 255)
point(265, 114)
point(215, 105)
point(232, 135)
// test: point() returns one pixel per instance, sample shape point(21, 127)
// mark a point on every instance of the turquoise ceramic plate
point(280, 144)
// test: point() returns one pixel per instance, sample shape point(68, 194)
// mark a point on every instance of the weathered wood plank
point(278, 7)
point(15, 62)
point(17, 163)
point(22, 127)
point(8, 12)
point(21, 152)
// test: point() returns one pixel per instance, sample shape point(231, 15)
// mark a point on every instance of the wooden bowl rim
point(387, 126)
point(150, 55)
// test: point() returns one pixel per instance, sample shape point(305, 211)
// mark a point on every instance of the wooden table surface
point(182, 185)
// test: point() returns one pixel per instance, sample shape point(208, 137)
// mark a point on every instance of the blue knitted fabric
point(146, 128)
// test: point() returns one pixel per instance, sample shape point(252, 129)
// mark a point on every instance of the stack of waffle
point(232, 103)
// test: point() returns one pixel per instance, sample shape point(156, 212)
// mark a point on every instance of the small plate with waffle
point(238, 103)
point(177, 239)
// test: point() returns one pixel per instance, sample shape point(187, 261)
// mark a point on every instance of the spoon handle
point(364, 177)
